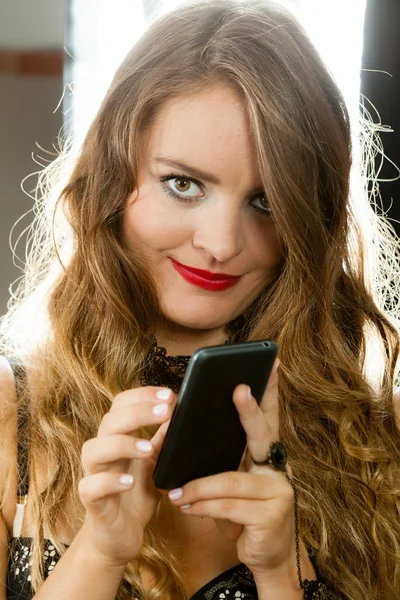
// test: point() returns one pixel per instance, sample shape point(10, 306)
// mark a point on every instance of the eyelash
point(191, 199)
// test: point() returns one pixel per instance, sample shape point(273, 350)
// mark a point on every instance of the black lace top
point(235, 583)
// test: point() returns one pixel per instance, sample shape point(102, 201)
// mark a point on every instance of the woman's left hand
point(253, 506)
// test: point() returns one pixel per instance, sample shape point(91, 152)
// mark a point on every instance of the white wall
point(32, 23)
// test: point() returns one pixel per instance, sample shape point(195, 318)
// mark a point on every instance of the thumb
point(158, 438)
point(145, 468)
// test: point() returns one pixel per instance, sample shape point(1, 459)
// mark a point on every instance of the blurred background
point(57, 58)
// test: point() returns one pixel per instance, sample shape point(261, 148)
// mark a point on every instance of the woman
point(222, 149)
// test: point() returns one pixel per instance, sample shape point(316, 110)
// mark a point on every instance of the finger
point(158, 438)
point(147, 467)
point(241, 511)
point(142, 394)
point(264, 485)
point(97, 487)
point(98, 453)
point(269, 401)
point(260, 422)
point(128, 419)
point(257, 428)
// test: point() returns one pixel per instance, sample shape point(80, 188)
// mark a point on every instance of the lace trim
point(317, 590)
point(236, 583)
point(168, 371)
point(163, 370)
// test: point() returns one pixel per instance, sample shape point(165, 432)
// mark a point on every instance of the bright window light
point(103, 31)
point(336, 29)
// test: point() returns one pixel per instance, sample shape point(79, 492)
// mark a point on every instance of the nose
point(219, 231)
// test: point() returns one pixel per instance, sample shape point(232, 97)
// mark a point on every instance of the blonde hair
point(322, 308)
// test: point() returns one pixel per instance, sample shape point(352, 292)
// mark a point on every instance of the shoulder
point(8, 398)
point(8, 423)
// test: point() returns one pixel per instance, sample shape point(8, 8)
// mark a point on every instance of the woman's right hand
point(117, 511)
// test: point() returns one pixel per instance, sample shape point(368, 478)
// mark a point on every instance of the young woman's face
point(216, 221)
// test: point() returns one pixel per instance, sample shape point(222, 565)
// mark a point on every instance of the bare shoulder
point(8, 400)
point(8, 433)
point(8, 420)
point(7, 387)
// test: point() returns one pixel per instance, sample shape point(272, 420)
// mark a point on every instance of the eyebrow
point(197, 173)
point(184, 167)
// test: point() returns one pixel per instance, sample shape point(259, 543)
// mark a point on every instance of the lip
point(205, 279)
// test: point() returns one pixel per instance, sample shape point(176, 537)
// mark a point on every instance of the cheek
point(267, 247)
point(147, 225)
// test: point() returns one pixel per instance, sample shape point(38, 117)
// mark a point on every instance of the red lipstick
point(215, 282)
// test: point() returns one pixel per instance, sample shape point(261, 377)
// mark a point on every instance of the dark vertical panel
point(382, 52)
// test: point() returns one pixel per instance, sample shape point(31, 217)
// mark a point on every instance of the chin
point(201, 313)
point(196, 324)
point(196, 319)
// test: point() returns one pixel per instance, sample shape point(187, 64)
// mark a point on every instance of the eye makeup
point(263, 210)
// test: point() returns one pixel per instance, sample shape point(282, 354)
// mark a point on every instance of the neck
point(185, 534)
point(182, 341)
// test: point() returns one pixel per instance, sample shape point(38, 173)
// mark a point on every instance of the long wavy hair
point(331, 308)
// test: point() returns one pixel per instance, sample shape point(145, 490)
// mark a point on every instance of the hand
point(253, 506)
point(117, 510)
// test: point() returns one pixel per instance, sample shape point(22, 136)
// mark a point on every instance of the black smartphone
point(205, 435)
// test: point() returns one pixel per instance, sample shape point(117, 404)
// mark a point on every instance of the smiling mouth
point(205, 279)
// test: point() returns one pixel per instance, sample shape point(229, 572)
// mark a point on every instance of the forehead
point(209, 128)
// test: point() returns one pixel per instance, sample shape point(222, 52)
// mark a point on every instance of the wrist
point(282, 581)
point(89, 555)
point(281, 591)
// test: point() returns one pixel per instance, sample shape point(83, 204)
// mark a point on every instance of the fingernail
point(163, 394)
point(144, 446)
point(186, 506)
point(126, 479)
point(160, 409)
point(175, 494)
point(249, 394)
point(278, 362)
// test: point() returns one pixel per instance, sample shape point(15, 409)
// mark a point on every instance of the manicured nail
point(175, 494)
point(144, 446)
point(278, 362)
point(186, 506)
point(126, 479)
point(163, 394)
point(160, 409)
point(249, 394)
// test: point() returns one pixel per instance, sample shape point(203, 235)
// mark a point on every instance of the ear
point(132, 197)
